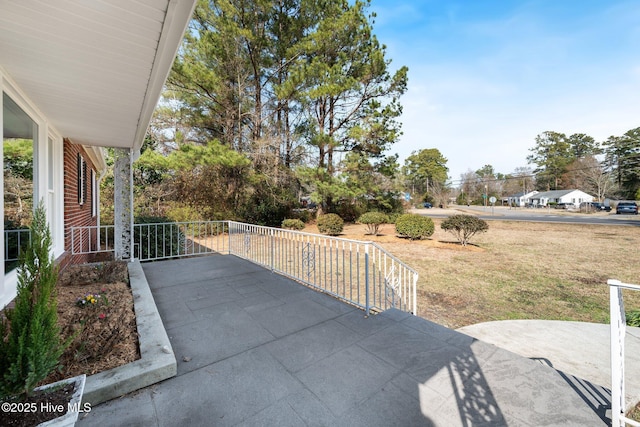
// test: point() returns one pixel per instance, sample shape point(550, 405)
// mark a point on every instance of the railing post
point(618, 323)
point(272, 231)
point(229, 235)
point(414, 285)
point(366, 279)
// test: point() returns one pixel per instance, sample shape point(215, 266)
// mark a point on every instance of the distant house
point(573, 197)
point(521, 199)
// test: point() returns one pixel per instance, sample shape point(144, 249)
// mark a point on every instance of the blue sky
point(486, 77)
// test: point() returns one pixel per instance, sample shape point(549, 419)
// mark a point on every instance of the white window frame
point(55, 204)
point(94, 194)
point(81, 168)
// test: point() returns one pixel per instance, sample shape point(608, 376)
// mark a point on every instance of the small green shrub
point(393, 217)
point(349, 211)
point(373, 220)
point(414, 226)
point(304, 215)
point(464, 227)
point(633, 318)
point(32, 347)
point(292, 224)
point(330, 224)
point(265, 209)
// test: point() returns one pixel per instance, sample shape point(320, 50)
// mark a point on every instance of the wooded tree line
point(609, 169)
point(271, 100)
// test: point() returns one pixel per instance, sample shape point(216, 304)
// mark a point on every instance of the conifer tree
point(31, 347)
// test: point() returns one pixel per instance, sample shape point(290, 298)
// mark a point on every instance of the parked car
point(594, 207)
point(603, 207)
point(563, 205)
point(427, 205)
point(627, 208)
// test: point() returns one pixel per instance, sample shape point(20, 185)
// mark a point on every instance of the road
point(533, 215)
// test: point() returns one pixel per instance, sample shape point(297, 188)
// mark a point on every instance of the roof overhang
point(95, 69)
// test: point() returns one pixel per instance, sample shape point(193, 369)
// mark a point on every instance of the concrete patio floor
point(257, 349)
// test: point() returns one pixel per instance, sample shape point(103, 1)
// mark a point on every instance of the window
point(19, 138)
point(82, 181)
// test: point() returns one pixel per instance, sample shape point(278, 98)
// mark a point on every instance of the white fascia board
point(96, 154)
point(177, 20)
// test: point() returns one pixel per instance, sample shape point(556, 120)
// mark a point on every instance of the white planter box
point(74, 408)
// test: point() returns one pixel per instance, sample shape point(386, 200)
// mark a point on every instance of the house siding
point(574, 197)
point(77, 207)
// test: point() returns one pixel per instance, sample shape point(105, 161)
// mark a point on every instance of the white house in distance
point(574, 197)
point(520, 199)
point(77, 76)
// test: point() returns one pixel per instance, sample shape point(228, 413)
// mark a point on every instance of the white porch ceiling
point(94, 68)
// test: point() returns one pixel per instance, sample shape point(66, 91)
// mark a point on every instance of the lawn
point(517, 270)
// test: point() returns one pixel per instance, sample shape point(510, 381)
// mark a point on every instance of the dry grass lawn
point(517, 270)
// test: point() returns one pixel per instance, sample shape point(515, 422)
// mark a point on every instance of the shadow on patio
point(255, 348)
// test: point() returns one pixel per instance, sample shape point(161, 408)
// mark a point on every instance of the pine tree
point(622, 155)
point(31, 347)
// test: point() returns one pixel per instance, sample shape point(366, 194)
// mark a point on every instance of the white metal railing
point(155, 241)
point(362, 273)
point(618, 333)
point(92, 239)
point(167, 240)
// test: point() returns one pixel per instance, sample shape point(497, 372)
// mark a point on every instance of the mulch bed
point(103, 329)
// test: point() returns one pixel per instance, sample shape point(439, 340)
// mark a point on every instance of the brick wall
point(77, 200)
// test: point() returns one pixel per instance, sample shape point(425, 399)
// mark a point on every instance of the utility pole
point(486, 196)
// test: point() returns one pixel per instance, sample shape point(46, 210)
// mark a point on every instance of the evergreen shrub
point(292, 224)
point(414, 226)
point(30, 343)
point(373, 221)
point(330, 224)
point(349, 211)
point(304, 215)
point(464, 227)
point(393, 217)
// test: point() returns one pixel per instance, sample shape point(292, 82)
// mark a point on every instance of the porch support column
point(123, 204)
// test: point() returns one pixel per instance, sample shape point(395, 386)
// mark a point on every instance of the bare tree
point(588, 175)
point(440, 193)
point(469, 186)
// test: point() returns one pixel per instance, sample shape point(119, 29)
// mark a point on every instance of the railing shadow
point(598, 398)
point(479, 383)
point(476, 403)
